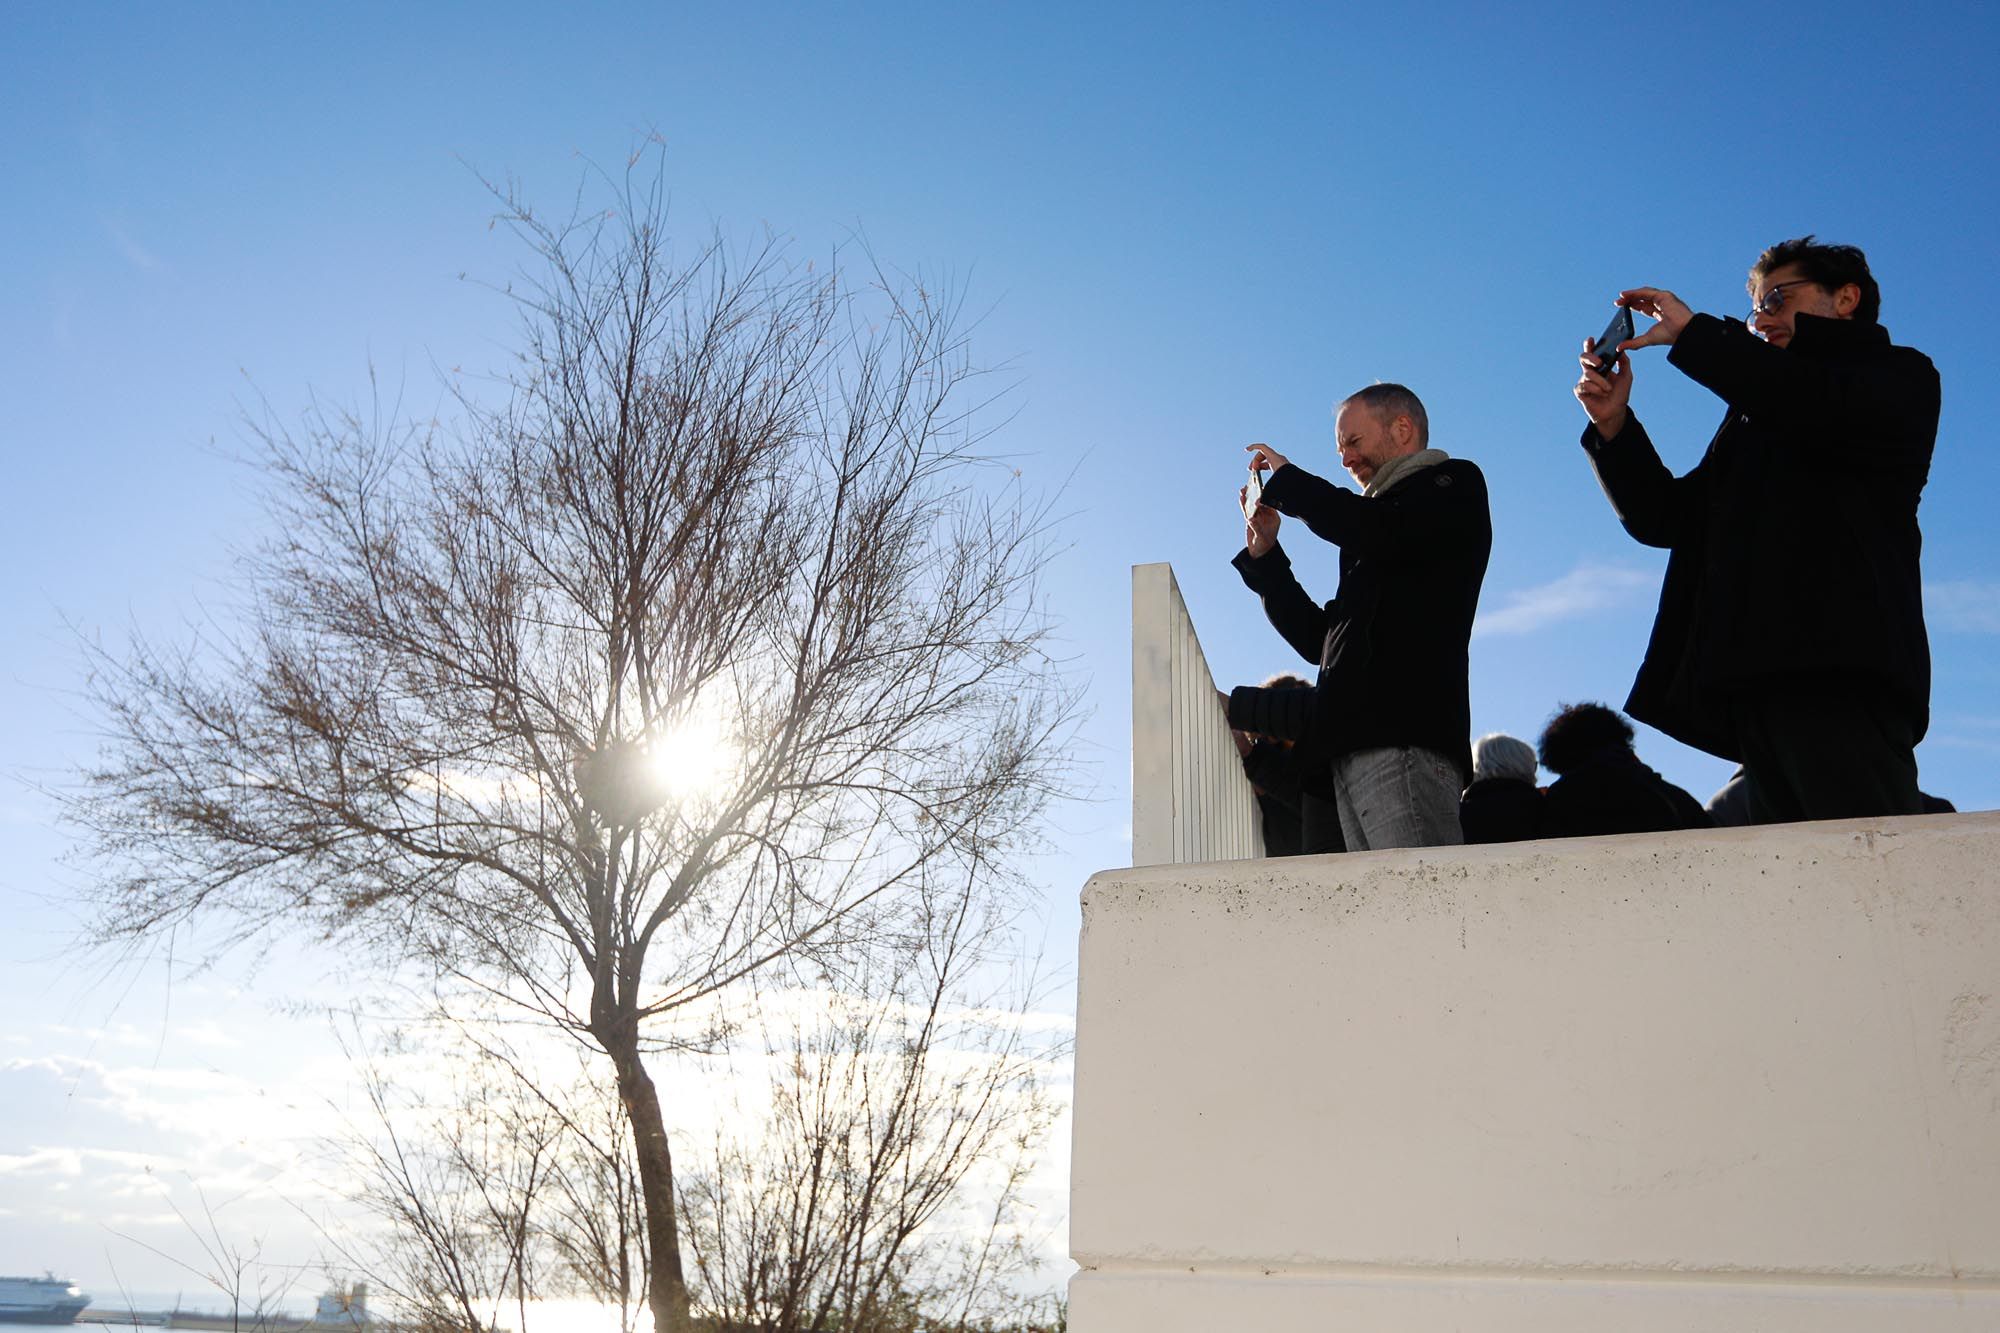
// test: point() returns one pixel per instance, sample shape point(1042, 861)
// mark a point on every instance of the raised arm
point(1366, 526)
point(1833, 412)
point(1291, 610)
point(1649, 500)
point(1652, 503)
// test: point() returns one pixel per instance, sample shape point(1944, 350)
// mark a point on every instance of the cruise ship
point(47, 1299)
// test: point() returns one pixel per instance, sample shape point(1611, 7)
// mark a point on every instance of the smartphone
point(1605, 349)
point(1253, 494)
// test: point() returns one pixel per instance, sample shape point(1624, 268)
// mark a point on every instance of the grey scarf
point(1398, 469)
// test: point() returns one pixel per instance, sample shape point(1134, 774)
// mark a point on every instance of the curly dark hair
point(1579, 732)
point(1828, 266)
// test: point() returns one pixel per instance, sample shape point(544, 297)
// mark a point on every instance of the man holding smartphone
point(1389, 716)
point(1790, 635)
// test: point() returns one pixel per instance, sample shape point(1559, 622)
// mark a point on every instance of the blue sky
point(1188, 227)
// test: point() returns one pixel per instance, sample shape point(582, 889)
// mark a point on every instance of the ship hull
point(41, 1300)
point(53, 1314)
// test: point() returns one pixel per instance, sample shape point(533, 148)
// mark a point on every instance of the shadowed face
point(1367, 440)
point(1783, 294)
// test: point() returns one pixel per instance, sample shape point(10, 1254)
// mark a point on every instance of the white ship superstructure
point(344, 1305)
point(47, 1299)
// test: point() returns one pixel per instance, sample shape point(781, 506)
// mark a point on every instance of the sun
point(693, 759)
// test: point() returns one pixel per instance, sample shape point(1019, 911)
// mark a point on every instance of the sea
point(286, 1318)
point(11, 1326)
point(542, 1317)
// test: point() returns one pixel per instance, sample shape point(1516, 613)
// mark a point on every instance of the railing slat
point(1190, 800)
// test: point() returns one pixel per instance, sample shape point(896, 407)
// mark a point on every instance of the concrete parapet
point(1739, 1079)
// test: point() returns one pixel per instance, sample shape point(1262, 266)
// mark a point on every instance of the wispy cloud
point(71, 1162)
point(208, 1032)
point(1965, 606)
point(1583, 590)
point(50, 1161)
point(1979, 744)
point(135, 254)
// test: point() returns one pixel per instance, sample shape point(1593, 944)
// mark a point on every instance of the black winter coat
point(1795, 541)
point(1501, 810)
point(1613, 792)
point(1391, 645)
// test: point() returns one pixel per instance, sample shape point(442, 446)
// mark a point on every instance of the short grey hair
point(1389, 401)
point(1498, 755)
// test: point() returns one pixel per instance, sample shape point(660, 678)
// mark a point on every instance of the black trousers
point(1307, 826)
point(1825, 747)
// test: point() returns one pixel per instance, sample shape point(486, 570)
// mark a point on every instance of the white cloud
point(208, 1032)
point(43, 1161)
point(1965, 606)
point(1585, 589)
point(73, 1162)
point(139, 1128)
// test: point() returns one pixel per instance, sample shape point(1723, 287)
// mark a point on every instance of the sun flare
point(693, 759)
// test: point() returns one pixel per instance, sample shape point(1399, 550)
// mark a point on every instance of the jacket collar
point(1817, 336)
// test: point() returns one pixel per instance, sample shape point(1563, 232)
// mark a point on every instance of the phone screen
point(1605, 349)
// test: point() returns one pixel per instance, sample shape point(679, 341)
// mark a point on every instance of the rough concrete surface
point(1756, 1065)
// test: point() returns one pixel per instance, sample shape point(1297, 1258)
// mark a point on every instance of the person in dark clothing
point(1295, 802)
point(1790, 634)
point(1502, 804)
point(1389, 714)
point(1601, 786)
point(1730, 806)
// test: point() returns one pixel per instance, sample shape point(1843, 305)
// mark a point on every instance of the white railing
point(1190, 800)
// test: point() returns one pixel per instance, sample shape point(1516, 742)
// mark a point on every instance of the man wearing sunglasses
point(1790, 635)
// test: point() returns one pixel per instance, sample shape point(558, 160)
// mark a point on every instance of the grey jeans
point(1398, 797)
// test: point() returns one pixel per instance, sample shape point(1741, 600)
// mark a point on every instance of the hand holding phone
point(1605, 349)
point(1253, 494)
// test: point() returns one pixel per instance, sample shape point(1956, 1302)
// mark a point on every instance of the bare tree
point(836, 1209)
point(705, 642)
point(871, 1186)
point(498, 1183)
point(597, 1231)
point(255, 1287)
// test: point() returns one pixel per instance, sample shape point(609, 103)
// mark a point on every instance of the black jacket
point(1391, 645)
point(1501, 810)
point(1613, 792)
point(1795, 542)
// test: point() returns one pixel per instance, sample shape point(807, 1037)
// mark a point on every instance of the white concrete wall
point(1746, 1080)
point(1190, 800)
